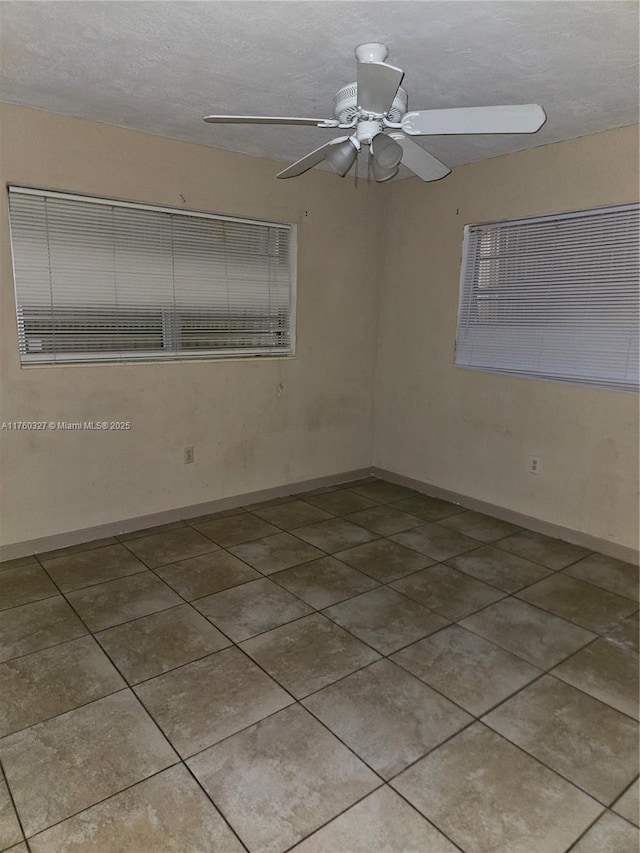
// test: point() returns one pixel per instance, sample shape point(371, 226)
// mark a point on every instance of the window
point(100, 280)
point(554, 297)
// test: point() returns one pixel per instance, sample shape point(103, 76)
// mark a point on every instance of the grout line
point(317, 610)
point(76, 550)
point(33, 601)
point(142, 568)
point(358, 639)
point(46, 648)
point(215, 805)
point(588, 829)
point(431, 822)
point(611, 811)
point(537, 562)
point(297, 843)
point(594, 585)
point(4, 776)
point(102, 800)
point(545, 765)
point(171, 562)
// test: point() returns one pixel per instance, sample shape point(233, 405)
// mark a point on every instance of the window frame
point(470, 258)
point(168, 318)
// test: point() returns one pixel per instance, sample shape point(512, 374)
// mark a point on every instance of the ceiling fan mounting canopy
point(375, 109)
point(372, 51)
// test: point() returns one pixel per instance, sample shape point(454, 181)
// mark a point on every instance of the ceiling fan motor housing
point(345, 105)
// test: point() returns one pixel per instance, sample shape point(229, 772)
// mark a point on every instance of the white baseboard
point(102, 531)
point(576, 537)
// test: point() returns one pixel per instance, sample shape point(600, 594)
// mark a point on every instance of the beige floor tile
point(499, 568)
point(485, 528)
point(210, 699)
point(324, 582)
point(384, 560)
point(607, 573)
point(160, 549)
point(435, 541)
point(538, 637)
point(292, 514)
point(24, 584)
point(10, 832)
point(606, 671)
point(281, 779)
point(513, 792)
point(341, 502)
point(553, 553)
point(609, 834)
point(275, 553)
point(593, 608)
point(469, 670)
point(385, 520)
point(82, 757)
point(160, 642)
point(381, 823)
point(308, 654)
point(336, 534)
point(29, 560)
point(587, 742)
point(488, 796)
point(322, 490)
point(283, 499)
point(450, 593)
point(52, 681)
point(235, 529)
point(206, 574)
point(91, 567)
point(627, 634)
point(214, 516)
point(31, 627)
point(168, 813)
point(76, 549)
point(428, 508)
point(384, 492)
point(251, 609)
point(386, 716)
point(151, 531)
point(107, 604)
point(628, 804)
point(18, 848)
point(385, 619)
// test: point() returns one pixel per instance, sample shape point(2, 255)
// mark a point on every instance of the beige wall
point(254, 424)
point(261, 424)
point(473, 432)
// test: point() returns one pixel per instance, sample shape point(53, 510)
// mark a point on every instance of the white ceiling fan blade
point(377, 86)
point(310, 160)
point(522, 118)
point(317, 122)
point(419, 161)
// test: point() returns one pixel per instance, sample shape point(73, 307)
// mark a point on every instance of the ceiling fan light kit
point(341, 155)
point(375, 109)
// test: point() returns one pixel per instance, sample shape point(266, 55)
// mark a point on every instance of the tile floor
point(362, 669)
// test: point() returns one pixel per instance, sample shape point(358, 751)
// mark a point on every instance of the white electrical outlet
point(535, 465)
point(188, 456)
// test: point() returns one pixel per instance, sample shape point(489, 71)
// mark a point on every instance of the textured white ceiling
point(161, 66)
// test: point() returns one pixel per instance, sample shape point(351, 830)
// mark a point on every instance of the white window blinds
point(98, 280)
point(554, 297)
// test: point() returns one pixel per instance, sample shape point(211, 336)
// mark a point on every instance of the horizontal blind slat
point(554, 297)
point(96, 279)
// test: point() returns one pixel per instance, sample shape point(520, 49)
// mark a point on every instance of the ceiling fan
point(375, 108)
